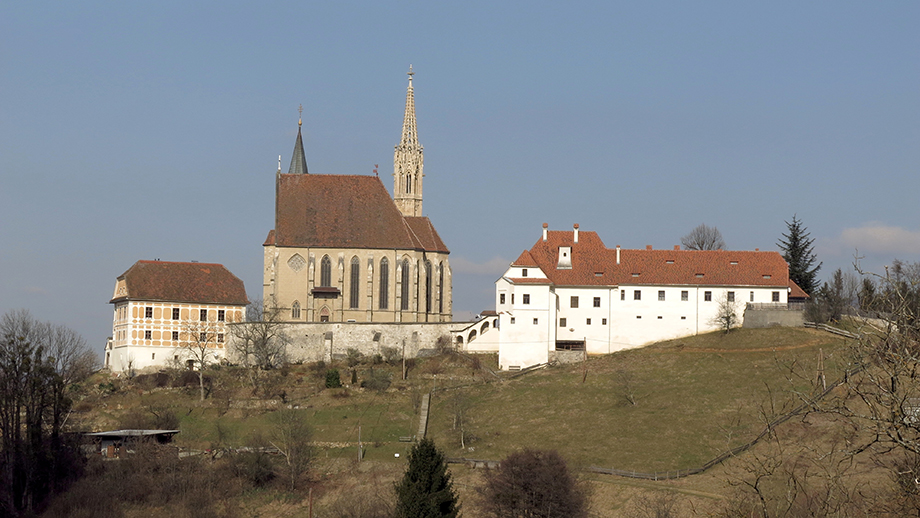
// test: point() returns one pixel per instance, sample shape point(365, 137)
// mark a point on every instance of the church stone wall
point(313, 342)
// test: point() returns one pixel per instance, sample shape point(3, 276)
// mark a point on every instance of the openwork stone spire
point(299, 158)
point(408, 162)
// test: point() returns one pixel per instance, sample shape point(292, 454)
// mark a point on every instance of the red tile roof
point(182, 282)
point(345, 211)
point(796, 292)
point(595, 264)
point(525, 259)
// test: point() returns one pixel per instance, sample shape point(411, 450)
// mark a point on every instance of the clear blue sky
point(152, 130)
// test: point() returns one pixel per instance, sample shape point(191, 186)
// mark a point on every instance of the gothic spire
point(299, 158)
point(408, 161)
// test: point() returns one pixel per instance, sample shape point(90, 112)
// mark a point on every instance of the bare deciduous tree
point(534, 483)
point(198, 341)
point(260, 343)
point(726, 317)
point(703, 238)
point(291, 434)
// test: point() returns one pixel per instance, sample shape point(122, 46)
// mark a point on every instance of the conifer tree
point(426, 490)
point(799, 253)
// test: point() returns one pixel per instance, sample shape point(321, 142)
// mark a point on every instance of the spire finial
point(410, 74)
point(300, 112)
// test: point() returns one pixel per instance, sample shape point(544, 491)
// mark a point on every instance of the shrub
point(332, 379)
point(391, 354)
point(353, 356)
point(377, 380)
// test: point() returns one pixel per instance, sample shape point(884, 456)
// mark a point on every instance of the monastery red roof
point(345, 211)
point(593, 264)
point(182, 282)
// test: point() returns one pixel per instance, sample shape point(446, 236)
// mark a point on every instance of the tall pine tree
point(799, 253)
point(426, 491)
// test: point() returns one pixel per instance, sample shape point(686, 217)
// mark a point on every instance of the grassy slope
point(696, 397)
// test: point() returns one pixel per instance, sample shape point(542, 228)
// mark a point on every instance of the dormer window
point(699, 275)
point(565, 258)
point(670, 261)
point(598, 274)
point(524, 272)
point(766, 276)
point(733, 262)
point(635, 275)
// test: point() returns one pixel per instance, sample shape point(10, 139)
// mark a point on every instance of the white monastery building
point(163, 308)
point(570, 292)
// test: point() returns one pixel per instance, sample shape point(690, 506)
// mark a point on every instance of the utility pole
point(404, 359)
point(821, 377)
point(359, 443)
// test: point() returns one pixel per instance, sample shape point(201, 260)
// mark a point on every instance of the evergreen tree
point(799, 253)
point(426, 491)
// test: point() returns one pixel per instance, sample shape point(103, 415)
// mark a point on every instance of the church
point(344, 251)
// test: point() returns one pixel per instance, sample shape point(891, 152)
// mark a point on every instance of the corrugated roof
point(208, 283)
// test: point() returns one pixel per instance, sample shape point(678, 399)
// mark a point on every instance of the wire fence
point(681, 473)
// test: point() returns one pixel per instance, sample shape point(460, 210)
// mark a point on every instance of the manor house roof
point(345, 211)
point(592, 263)
point(202, 283)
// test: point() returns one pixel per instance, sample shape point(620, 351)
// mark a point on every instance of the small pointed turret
point(408, 161)
point(299, 158)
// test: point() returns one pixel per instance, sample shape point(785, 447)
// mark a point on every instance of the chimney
point(545, 226)
point(676, 247)
point(648, 247)
point(618, 254)
point(576, 232)
point(756, 249)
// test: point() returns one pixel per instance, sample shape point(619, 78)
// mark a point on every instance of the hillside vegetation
point(673, 405)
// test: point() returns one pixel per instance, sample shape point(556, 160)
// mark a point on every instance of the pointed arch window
point(404, 288)
point(384, 284)
point(295, 310)
point(440, 287)
point(355, 282)
point(325, 272)
point(428, 291)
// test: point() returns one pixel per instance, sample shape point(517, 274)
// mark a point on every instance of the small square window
point(220, 338)
point(203, 315)
point(603, 321)
point(622, 294)
point(775, 296)
point(573, 302)
point(501, 298)
point(175, 335)
point(661, 295)
point(148, 335)
point(175, 314)
point(202, 337)
point(730, 296)
point(524, 272)
point(752, 296)
point(535, 321)
point(683, 318)
point(588, 321)
point(153, 356)
point(638, 316)
point(597, 302)
point(637, 295)
point(526, 298)
point(148, 312)
point(221, 315)
point(659, 317)
point(684, 295)
point(512, 320)
point(562, 322)
point(707, 296)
